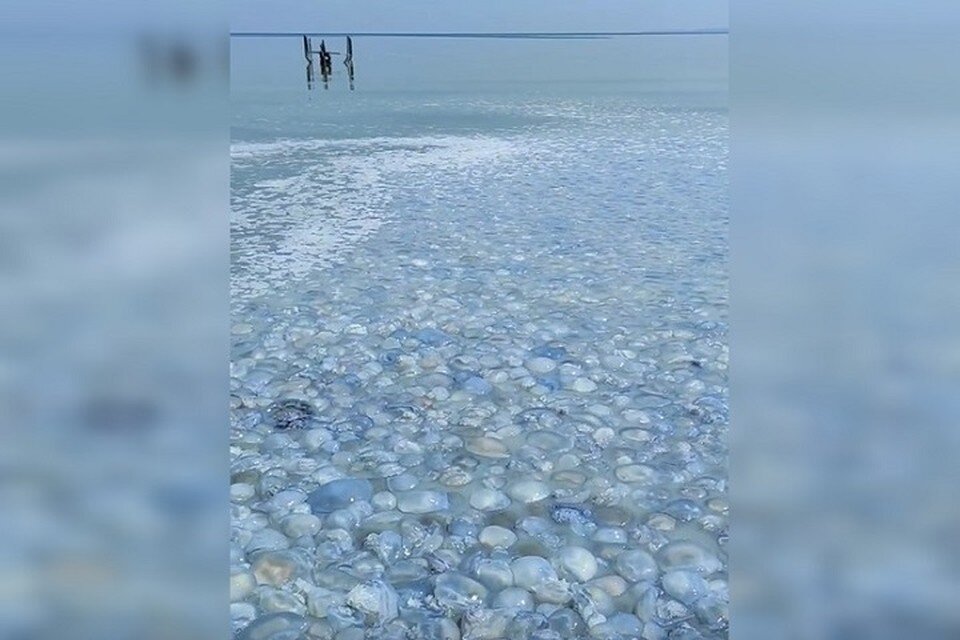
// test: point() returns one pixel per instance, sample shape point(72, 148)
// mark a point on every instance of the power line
point(518, 35)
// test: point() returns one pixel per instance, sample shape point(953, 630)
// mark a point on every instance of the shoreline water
point(478, 382)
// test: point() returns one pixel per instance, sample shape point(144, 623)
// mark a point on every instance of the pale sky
point(463, 15)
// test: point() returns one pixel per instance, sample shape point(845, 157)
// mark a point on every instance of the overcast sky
point(465, 15)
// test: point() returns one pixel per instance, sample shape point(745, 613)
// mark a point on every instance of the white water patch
point(329, 196)
point(254, 152)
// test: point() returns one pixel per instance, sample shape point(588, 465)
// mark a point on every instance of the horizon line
point(469, 34)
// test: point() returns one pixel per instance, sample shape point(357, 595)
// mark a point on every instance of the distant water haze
point(687, 61)
point(392, 64)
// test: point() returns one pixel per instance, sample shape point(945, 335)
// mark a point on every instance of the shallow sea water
point(479, 366)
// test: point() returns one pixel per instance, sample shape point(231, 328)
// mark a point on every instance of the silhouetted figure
point(348, 61)
point(167, 59)
point(326, 66)
point(182, 62)
point(308, 54)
